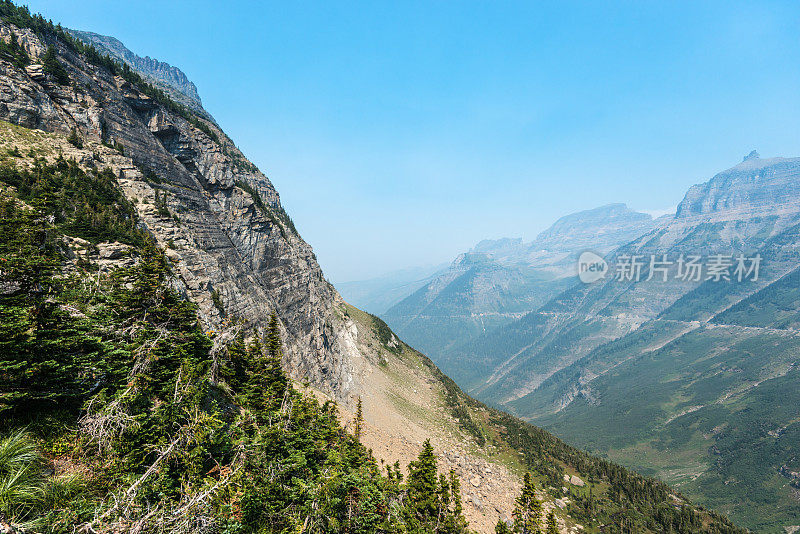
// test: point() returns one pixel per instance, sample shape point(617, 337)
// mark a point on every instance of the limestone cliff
point(754, 188)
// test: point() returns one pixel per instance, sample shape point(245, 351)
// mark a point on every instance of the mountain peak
point(504, 245)
point(752, 155)
point(599, 228)
point(754, 188)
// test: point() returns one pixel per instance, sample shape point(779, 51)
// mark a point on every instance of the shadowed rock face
point(231, 241)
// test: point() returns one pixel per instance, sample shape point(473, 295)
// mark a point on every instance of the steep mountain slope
point(406, 398)
point(684, 379)
point(499, 281)
point(224, 250)
point(235, 248)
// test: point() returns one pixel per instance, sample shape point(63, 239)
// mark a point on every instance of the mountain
point(600, 229)
point(170, 79)
point(687, 380)
point(377, 295)
point(155, 300)
point(499, 281)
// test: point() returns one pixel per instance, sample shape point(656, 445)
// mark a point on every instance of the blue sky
point(401, 133)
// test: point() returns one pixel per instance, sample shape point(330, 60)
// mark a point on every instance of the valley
point(691, 381)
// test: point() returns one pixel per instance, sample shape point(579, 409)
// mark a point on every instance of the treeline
point(82, 204)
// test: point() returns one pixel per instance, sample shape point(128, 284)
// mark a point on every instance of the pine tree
point(74, 139)
point(13, 52)
point(359, 421)
point(444, 499)
point(273, 371)
point(501, 527)
point(455, 488)
point(552, 525)
point(46, 355)
point(422, 484)
point(528, 510)
point(233, 368)
point(274, 344)
point(53, 67)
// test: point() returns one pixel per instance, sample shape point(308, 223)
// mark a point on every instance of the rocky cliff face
point(163, 75)
point(233, 247)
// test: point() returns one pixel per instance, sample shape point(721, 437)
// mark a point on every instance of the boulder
point(576, 481)
point(112, 251)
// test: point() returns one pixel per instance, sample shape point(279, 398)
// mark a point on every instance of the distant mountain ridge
point(498, 281)
point(690, 381)
point(378, 294)
point(599, 228)
point(754, 187)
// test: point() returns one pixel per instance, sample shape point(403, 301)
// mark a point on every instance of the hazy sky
point(401, 133)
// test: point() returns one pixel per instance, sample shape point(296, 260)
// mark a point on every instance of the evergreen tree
point(422, 484)
point(13, 52)
point(552, 524)
point(455, 488)
point(233, 368)
point(528, 509)
point(502, 527)
point(433, 501)
point(47, 356)
point(53, 67)
point(359, 420)
point(74, 139)
point(273, 370)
